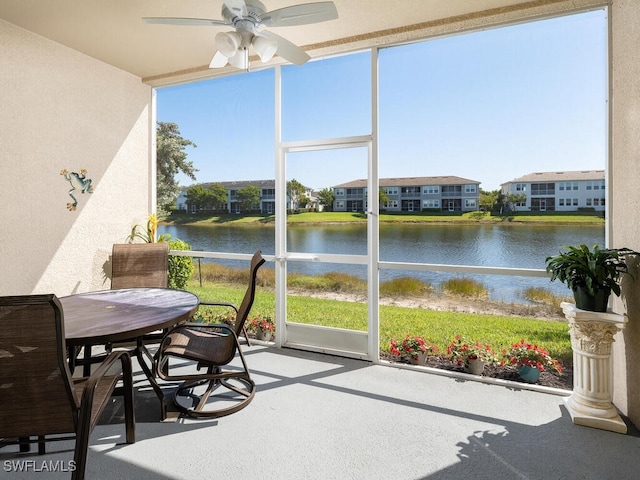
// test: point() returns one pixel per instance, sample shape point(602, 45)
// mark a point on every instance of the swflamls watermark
point(37, 466)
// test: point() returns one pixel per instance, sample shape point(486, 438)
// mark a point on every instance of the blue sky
point(489, 106)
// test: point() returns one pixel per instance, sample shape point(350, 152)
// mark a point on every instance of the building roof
point(242, 183)
point(559, 176)
point(410, 182)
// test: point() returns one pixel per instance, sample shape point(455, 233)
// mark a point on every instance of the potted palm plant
point(592, 274)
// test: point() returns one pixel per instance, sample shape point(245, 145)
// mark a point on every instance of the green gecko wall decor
point(78, 181)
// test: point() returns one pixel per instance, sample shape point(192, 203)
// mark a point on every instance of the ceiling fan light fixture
point(239, 60)
point(218, 60)
point(228, 42)
point(265, 48)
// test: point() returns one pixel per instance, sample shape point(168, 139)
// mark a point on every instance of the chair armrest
point(91, 384)
point(173, 346)
point(195, 326)
point(108, 362)
point(219, 304)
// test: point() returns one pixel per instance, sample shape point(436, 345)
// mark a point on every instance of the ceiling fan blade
point(287, 50)
point(237, 7)
point(184, 21)
point(218, 60)
point(300, 14)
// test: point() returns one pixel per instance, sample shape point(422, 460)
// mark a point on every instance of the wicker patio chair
point(39, 397)
point(216, 391)
point(140, 265)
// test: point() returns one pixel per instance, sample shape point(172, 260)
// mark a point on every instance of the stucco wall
point(64, 110)
point(624, 221)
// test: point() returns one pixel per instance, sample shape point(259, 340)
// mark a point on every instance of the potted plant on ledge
point(471, 355)
point(413, 349)
point(264, 326)
point(591, 274)
point(530, 360)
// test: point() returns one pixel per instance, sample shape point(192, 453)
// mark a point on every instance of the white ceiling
point(113, 31)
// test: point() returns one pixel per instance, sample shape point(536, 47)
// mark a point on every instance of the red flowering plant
point(530, 355)
point(393, 348)
point(411, 347)
point(262, 322)
point(460, 351)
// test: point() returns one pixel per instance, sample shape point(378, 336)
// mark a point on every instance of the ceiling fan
point(249, 18)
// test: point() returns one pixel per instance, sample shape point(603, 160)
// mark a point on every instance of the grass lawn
point(563, 218)
point(438, 328)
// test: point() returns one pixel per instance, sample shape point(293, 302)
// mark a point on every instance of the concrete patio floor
point(317, 416)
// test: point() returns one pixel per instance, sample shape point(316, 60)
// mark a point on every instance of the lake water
point(519, 246)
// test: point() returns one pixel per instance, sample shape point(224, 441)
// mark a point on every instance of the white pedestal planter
point(591, 339)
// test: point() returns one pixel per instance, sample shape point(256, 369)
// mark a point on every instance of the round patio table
point(110, 316)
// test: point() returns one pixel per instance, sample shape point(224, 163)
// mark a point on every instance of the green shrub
point(180, 268)
point(465, 287)
point(405, 287)
point(544, 296)
point(328, 282)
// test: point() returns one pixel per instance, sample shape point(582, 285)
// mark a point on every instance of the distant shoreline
point(437, 218)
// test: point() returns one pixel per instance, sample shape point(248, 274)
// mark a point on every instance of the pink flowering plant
point(530, 355)
point(411, 347)
point(262, 322)
point(461, 351)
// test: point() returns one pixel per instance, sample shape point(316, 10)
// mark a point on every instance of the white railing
point(362, 260)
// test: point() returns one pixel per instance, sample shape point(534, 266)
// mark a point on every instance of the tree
point(326, 198)
point(514, 198)
point(199, 197)
point(248, 197)
point(304, 201)
point(171, 160)
point(218, 196)
point(488, 200)
point(383, 198)
point(294, 191)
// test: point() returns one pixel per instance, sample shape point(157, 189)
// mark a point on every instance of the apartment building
point(411, 194)
point(559, 191)
point(266, 204)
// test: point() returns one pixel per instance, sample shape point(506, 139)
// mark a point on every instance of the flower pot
point(584, 301)
point(264, 334)
point(421, 359)
point(474, 366)
point(529, 374)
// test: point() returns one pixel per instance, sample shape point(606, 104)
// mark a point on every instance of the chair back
point(136, 265)
point(250, 294)
point(36, 393)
